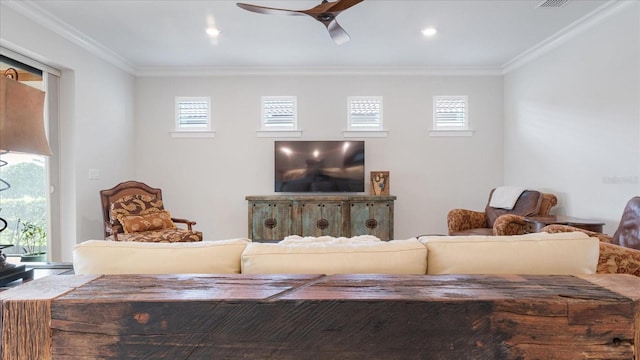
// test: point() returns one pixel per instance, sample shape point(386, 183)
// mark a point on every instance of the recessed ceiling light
point(213, 32)
point(430, 31)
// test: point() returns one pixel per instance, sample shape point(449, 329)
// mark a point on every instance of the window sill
point(365, 133)
point(466, 132)
point(279, 133)
point(192, 134)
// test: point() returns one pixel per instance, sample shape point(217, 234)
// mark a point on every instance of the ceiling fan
point(326, 13)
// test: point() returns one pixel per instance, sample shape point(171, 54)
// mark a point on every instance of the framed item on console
point(379, 183)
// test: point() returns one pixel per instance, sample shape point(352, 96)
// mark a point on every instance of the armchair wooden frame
point(129, 188)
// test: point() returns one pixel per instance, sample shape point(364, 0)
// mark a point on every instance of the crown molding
point(38, 15)
point(317, 71)
point(569, 32)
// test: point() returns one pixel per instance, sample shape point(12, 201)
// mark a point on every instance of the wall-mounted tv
point(319, 166)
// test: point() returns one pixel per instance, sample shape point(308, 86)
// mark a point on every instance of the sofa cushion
point(539, 253)
point(114, 257)
point(384, 257)
point(297, 240)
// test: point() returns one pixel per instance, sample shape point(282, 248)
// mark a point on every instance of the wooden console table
point(322, 317)
point(276, 216)
point(536, 223)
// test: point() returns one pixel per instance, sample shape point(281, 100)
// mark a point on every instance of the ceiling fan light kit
point(325, 13)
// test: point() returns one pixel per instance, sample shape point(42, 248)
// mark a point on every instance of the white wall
point(572, 120)
point(96, 124)
point(207, 179)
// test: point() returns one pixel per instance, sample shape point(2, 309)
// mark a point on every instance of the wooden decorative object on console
point(380, 183)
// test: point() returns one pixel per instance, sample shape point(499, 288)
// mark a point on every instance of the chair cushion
point(368, 257)
point(147, 222)
point(628, 232)
point(538, 253)
point(528, 204)
point(164, 235)
point(112, 257)
point(134, 205)
point(476, 231)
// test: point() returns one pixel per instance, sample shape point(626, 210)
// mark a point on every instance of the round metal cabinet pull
point(270, 223)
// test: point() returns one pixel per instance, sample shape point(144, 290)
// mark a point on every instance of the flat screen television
point(319, 166)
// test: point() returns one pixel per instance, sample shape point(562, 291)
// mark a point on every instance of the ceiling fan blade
point(268, 10)
point(342, 5)
point(337, 33)
point(333, 8)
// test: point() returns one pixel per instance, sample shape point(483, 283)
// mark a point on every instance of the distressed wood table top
point(322, 317)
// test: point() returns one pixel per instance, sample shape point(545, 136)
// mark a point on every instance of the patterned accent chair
point(495, 221)
point(134, 211)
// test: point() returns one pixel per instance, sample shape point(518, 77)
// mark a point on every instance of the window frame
point(351, 126)
point(439, 129)
point(283, 131)
point(177, 124)
point(264, 124)
point(364, 131)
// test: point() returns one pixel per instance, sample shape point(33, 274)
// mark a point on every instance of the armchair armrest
point(566, 228)
point(615, 259)
point(509, 224)
point(462, 219)
point(111, 229)
point(189, 223)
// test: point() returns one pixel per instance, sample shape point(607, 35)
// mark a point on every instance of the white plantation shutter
point(365, 112)
point(192, 113)
point(450, 112)
point(279, 113)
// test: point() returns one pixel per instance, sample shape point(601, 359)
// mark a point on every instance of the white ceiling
point(145, 34)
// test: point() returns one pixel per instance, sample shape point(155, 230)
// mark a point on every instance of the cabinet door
point(372, 218)
point(270, 220)
point(321, 218)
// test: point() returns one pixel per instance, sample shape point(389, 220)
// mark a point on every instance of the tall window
point(193, 113)
point(365, 113)
point(279, 113)
point(450, 113)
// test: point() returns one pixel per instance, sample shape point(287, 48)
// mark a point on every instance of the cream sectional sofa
point(540, 253)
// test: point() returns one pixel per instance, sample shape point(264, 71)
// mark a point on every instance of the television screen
point(319, 166)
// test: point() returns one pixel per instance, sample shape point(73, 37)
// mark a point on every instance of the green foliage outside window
point(25, 202)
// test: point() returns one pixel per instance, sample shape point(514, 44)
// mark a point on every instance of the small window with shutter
point(193, 113)
point(365, 113)
point(450, 113)
point(279, 113)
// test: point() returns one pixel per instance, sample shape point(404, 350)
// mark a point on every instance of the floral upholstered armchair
point(134, 211)
point(497, 221)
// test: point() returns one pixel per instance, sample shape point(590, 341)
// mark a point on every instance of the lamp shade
point(21, 118)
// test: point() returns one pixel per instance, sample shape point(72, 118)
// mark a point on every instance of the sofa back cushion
point(115, 257)
point(362, 257)
point(539, 253)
